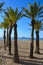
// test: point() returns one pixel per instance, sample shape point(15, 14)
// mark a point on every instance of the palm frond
point(1, 5)
point(12, 14)
point(41, 16)
point(4, 25)
point(20, 15)
point(16, 11)
point(27, 11)
point(40, 8)
point(0, 25)
point(40, 13)
point(26, 16)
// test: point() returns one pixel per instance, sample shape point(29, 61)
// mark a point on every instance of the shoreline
point(28, 39)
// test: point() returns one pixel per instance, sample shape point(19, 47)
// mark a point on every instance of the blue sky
point(22, 23)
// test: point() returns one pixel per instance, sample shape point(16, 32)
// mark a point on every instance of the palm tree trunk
point(16, 56)
point(4, 39)
point(37, 42)
point(7, 36)
point(10, 39)
point(32, 40)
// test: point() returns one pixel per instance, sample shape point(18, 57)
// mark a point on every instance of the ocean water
point(27, 38)
point(23, 38)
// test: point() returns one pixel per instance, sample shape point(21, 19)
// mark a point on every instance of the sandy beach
point(24, 50)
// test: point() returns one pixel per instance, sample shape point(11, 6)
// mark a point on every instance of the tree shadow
point(30, 58)
point(30, 62)
point(41, 49)
point(41, 53)
point(3, 56)
point(39, 58)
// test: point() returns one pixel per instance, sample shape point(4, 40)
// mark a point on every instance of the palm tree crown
point(34, 11)
point(14, 15)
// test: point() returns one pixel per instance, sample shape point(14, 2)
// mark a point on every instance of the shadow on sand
point(41, 54)
point(41, 49)
point(30, 62)
point(34, 61)
point(32, 58)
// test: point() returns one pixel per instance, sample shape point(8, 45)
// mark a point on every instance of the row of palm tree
point(14, 16)
point(10, 21)
point(11, 17)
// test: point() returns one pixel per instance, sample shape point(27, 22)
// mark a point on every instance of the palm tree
point(37, 27)
point(15, 16)
point(34, 12)
point(4, 25)
point(10, 39)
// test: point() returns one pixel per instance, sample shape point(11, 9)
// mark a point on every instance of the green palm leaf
point(1, 5)
point(27, 12)
point(40, 8)
point(41, 16)
point(40, 13)
point(34, 11)
point(16, 11)
point(20, 15)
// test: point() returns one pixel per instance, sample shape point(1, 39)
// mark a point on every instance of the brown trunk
point(4, 40)
point(16, 56)
point(7, 37)
point(10, 39)
point(37, 42)
point(32, 40)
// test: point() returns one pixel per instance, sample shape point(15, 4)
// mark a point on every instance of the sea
point(1, 38)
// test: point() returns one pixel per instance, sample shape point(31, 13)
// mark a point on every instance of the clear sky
point(23, 22)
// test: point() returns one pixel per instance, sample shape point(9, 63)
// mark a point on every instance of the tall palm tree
point(37, 27)
point(34, 12)
point(4, 25)
point(10, 39)
point(15, 16)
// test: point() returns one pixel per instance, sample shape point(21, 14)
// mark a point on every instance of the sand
point(24, 51)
